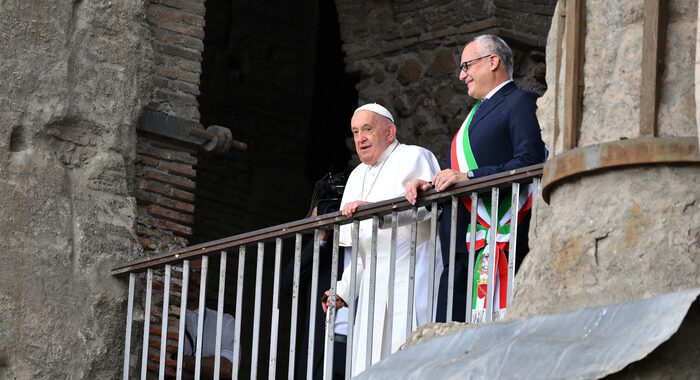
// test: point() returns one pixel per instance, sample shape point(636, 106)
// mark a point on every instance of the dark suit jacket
point(504, 134)
point(306, 296)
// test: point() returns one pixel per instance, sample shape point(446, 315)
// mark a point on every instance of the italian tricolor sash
point(463, 160)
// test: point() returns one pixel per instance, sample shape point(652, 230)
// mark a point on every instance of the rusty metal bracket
point(215, 138)
point(628, 152)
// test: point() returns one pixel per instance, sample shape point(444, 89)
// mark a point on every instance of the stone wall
point(646, 229)
point(407, 54)
point(178, 43)
point(76, 76)
point(613, 84)
point(626, 232)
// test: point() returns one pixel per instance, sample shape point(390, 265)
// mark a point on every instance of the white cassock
point(398, 165)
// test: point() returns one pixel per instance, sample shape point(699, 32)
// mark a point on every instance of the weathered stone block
point(409, 72)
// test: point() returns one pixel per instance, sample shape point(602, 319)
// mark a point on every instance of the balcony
point(264, 340)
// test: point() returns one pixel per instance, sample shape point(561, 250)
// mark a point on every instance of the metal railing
point(170, 274)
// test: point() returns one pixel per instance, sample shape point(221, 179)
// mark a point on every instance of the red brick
point(149, 161)
point(177, 74)
point(175, 168)
point(161, 188)
point(170, 214)
point(192, 19)
point(147, 243)
point(171, 179)
point(189, 30)
point(170, 16)
point(175, 227)
point(183, 195)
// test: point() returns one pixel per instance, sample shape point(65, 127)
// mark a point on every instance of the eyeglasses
point(467, 64)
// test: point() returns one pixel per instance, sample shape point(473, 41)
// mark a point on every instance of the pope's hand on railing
point(413, 188)
point(350, 208)
point(448, 177)
point(326, 301)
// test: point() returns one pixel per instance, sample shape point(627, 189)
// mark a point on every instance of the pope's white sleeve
point(343, 287)
point(424, 167)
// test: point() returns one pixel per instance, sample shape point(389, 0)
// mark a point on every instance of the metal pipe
point(472, 257)
point(183, 307)
point(164, 322)
point(330, 327)
point(392, 274)
point(493, 230)
point(146, 323)
point(200, 317)
point(129, 321)
point(433, 254)
point(411, 272)
point(295, 306)
point(372, 288)
point(239, 311)
point(351, 301)
point(256, 312)
point(451, 267)
point(312, 306)
point(220, 314)
point(275, 310)
point(513, 239)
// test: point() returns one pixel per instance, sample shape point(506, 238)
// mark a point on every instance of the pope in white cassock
point(387, 168)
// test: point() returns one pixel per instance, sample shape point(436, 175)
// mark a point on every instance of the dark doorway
point(273, 73)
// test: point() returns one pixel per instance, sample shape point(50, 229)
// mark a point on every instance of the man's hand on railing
point(448, 177)
point(326, 301)
point(413, 188)
point(350, 208)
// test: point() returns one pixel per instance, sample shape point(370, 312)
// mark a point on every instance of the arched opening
point(273, 73)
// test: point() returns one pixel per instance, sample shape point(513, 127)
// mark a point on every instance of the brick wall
point(178, 33)
point(165, 174)
point(164, 188)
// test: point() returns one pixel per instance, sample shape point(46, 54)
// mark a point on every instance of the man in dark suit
point(500, 133)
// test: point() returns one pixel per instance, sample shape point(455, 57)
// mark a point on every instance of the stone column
point(75, 77)
point(620, 218)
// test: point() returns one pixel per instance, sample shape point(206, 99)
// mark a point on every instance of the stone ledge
point(639, 151)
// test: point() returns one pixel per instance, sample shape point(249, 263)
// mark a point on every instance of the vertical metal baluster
point(392, 274)
point(472, 257)
point(146, 323)
point(129, 321)
point(492, 254)
point(351, 301)
point(164, 322)
point(312, 306)
point(295, 307)
point(275, 310)
point(433, 253)
point(256, 315)
point(330, 326)
point(220, 314)
point(451, 268)
point(372, 288)
point(239, 311)
point(183, 310)
point(200, 317)
point(515, 197)
point(412, 272)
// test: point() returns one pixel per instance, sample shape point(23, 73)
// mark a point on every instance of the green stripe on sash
point(471, 161)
